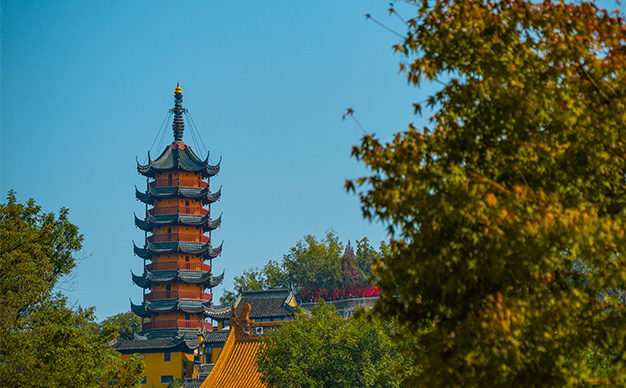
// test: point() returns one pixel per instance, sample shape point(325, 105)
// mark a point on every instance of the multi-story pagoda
point(177, 252)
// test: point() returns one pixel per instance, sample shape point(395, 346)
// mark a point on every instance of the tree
point(324, 350)
point(315, 264)
point(310, 266)
point(351, 275)
point(271, 276)
point(520, 173)
point(124, 323)
point(43, 343)
point(177, 383)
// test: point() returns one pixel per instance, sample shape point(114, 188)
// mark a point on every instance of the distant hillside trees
point(314, 268)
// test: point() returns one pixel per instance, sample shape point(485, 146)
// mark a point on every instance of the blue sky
point(86, 85)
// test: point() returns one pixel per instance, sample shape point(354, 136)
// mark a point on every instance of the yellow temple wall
point(156, 366)
point(215, 353)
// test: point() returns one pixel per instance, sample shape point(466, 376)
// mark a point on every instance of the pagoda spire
point(179, 125)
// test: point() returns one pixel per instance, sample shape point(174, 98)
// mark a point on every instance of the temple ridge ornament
point(241, 324)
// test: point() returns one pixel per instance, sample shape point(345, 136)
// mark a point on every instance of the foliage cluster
point(125, 324)
point(311, 265)
point(520, 174)
point(44, 343)
point(324, 350)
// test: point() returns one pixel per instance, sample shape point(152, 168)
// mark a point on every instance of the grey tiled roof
point(174, 219)
point(265, 304)
point(215, 337)
point(167, 305)
point(164, 344)
point(218, 313)
point(186, 276)
point(178, 156)
point(177, 191)
point(180, 246)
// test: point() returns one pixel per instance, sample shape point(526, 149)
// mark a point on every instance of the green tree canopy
point(520, 173)
point(324, 350)
point(125, 324)
point(311, 264)
point(43, 343)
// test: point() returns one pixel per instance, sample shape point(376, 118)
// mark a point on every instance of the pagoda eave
point(198, 193)
point(177, 246)
point(205, 222)
point(186, 276)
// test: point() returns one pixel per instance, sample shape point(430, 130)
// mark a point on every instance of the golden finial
point(178, 89)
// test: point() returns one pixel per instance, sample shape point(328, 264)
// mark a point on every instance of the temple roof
point(167, 305)
point(266, 305)
point(177, 246)
point(214, 337)
point(151, 221)
point(178, 156)
point(155, 345)
point(186, 276)
point(236, 366)
point(177, 191)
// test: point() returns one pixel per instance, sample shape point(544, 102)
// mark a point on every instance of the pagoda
point(177, 278)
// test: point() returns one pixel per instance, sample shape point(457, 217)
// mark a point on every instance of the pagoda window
point(187, 318)
point(167, 379)
point(187, 203)
point(169, 230)
point(169, 179)
point(187, 258)
point(167, 356)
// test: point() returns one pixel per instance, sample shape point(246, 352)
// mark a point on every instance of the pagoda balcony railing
point(179, 294)
point(161, 210)
point(178, 182)
point(175, 324)
point(187, 237)
point(172, 266)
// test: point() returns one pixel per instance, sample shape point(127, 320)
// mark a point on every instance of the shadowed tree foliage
point(324, 350)
point(520, 173)
point(351, 275)
point(43, 343)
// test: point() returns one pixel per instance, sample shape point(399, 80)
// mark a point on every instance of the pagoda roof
point(219, 313)
point(160, 248)
point(177, 191)
point(157, 345)
point(178, 156)
point(186, 276)
point(265, 304)
point(168, 305)
point(151, 221)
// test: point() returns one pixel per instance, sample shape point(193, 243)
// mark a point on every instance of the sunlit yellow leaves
point(511, 205)
point(491, 199)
